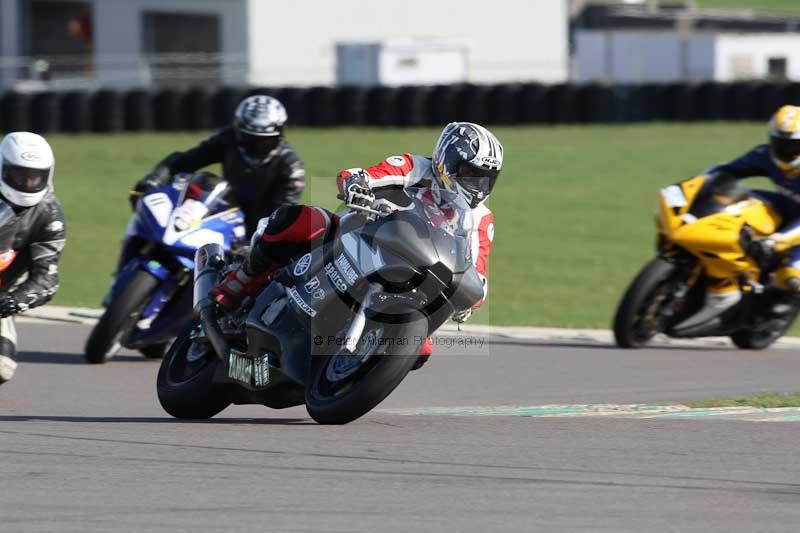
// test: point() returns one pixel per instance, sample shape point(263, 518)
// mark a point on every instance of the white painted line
point(637, 411)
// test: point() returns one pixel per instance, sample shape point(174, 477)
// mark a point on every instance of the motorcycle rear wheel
point(119, 318)
point(338, 393)
point(185, 389)
point(630, 329)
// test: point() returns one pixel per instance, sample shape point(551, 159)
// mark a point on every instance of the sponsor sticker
point(30, 156)
point(307, 309)
point(262, 369)
point(491, 161)
point(301, 267)
point(312, 284)
point(55, 225)
point(335, 278)
point(313, 287)
point(346, 269)
point(396, 161)
point(240, 368)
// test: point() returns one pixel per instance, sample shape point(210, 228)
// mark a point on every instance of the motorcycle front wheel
point(636, 321)
point(184, 384)
point(119, 318)
point(344, 386)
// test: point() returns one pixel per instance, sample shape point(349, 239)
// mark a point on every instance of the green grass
point(766, 401)
point(574, 206)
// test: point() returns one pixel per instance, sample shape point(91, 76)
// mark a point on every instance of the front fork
point(356, 328)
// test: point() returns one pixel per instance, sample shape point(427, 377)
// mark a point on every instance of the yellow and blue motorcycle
point(705, 229)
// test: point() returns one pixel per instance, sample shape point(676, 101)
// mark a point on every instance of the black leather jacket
point(37, 234)
point(258, 187)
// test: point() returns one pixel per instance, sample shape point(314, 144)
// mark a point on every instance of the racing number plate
point(253, 372)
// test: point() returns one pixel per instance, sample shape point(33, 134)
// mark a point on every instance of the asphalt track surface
point(87, 448)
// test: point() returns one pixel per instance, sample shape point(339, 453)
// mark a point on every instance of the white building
point(128, 43)
point(658, 56)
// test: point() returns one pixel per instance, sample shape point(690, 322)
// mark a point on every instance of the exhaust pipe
point(209, 261)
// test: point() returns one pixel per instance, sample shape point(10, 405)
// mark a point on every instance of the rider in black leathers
point(263, 169)
point(32, 235)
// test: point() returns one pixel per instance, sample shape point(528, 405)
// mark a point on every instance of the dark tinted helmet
point(468, 159)
point(256, 146)
point(23, 179)
point(786, 150)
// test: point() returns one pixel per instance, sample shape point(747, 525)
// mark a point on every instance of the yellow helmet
point(784, 139)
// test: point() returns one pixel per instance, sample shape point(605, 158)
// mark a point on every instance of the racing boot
point(7, 365)
point(239, 285)
point(719, 298)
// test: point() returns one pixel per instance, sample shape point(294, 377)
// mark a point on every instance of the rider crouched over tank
point(467, 160)
point(32, 235)
point(779, 160)
point(263, 170)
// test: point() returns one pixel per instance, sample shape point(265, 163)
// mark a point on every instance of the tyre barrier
point(107, 111)
point(351, 106)
point(15, 112)
point(441, 106)
point(381, 105)
point(223, 105)
point(203, 108)
point(320, 105)
point(534, 104)
point(166, 110)
point(503, 104)
point(411, 105)
point(45, 113)
point(294, 100)
point(137, 105)
point(194, 109)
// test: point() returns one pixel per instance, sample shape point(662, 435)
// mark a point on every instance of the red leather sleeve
point(485, 238)
point(392, 171)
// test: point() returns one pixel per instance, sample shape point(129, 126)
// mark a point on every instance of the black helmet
point(467, 160)
point(259, 122)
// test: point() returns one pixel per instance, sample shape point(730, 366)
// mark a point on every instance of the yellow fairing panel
point(675, 201)
point(715, 239)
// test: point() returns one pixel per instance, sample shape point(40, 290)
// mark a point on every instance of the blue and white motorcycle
point(150, 301)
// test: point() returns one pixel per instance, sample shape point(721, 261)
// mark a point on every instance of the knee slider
point(282, 218)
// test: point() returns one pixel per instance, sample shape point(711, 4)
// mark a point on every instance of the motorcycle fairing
point(708, 224)
point(154, 222)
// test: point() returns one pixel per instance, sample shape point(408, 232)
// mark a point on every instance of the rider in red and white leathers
point(409, 170)
point(467, 160)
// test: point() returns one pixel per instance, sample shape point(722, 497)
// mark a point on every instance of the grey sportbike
point(337, 329)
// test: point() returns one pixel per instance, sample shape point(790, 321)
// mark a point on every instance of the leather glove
point(9, 306)
point(762, 250)
point(462, 316)
point(356, 190)
point(156, 178)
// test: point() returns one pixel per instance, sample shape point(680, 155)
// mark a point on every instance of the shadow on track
point(54, 358)
point(165, 420)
